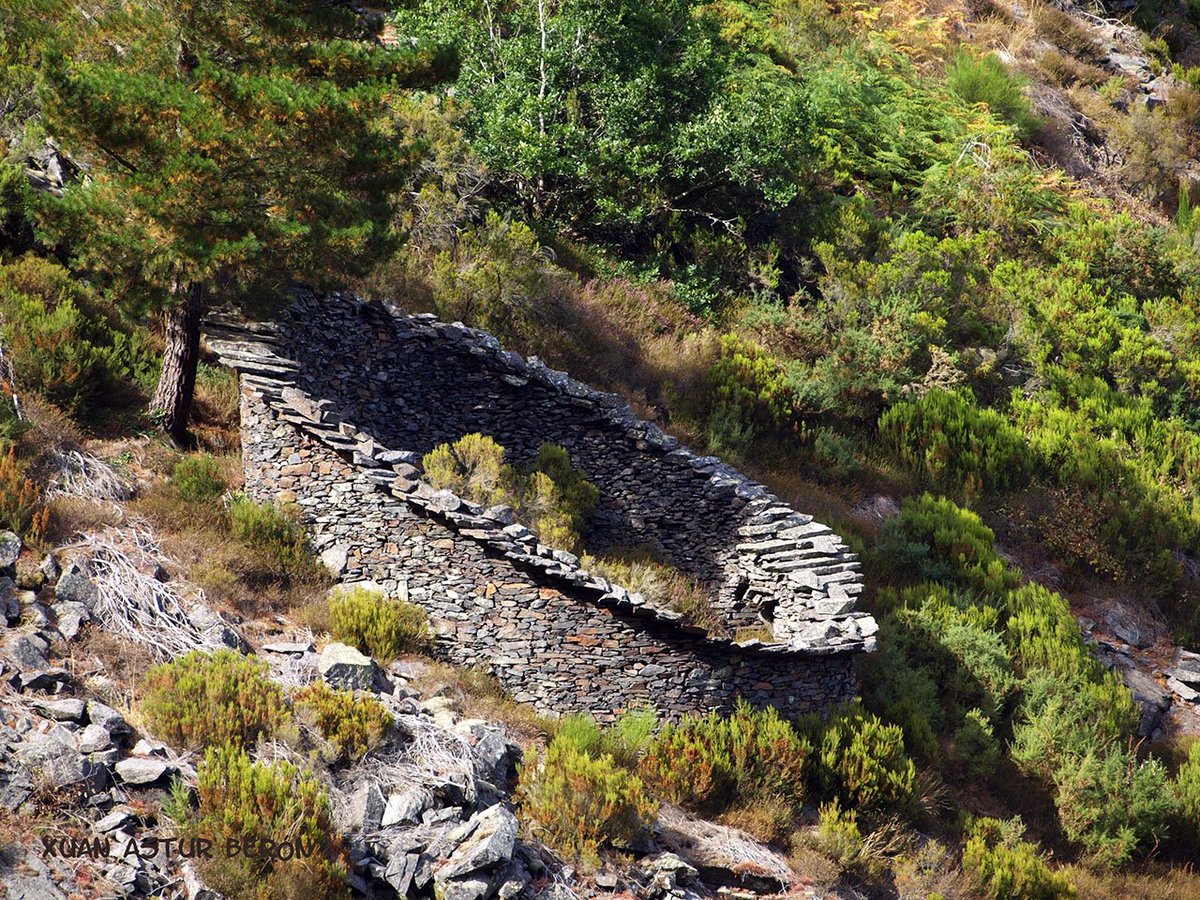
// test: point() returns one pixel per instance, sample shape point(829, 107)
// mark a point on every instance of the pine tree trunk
point(177, 382)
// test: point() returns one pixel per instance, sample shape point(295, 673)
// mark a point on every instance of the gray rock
point(344, 667)
point(147, 747)
point(1183, 690)
point(55, 764)
point(406, 808)
point(15, 783)
point(400, 871)
point(1153, 700)
point(94, 739)
point(10, 549)
point(118, 818)
point(28, 651)
point(10, 602)
point(214, 628)
point(50, 568)
point(365, 811)
point(75, 587)
point(70, 710)
point(484, 841)
point(25, 886)
point(468, 887)
point(335, 560)
point(108, 719)
point(141, 770)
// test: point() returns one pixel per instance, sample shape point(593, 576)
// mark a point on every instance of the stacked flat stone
point(342, 398)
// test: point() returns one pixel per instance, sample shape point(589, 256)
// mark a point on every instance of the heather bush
point(953, 442)
point(377, 625)
point(198, 478)
point(710, 762)
point(61, 341)
point(472, 467)
point(275, 535)
point(1005, 867)
point(254, 802)
point(579, 803)
point(986, 80)
point(861, 760)
point(22, 509)
point(352, 725)
point(206, 700)
point(1112, 804)
point(625, 740)
point(1186, 794)
point(934, 539)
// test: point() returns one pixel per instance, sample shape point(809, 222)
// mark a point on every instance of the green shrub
point(986, 80)
point(839, 837)
point(625, 740)
point(956, 444)
point(709, 763)
point(198, 478)
point(383, 628)
point(60, 341)
point(254, 802)
point(934, 539)
point(201, 700)
point(1004, 867)
point(975, 748)
point(578, 803)
point(1059, 720)
point(1186, 792)
point(352, 725)
point(1113, 805)
point(861, 761)
point(275, 535)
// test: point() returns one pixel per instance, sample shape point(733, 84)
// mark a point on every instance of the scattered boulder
point(108, 719)
point(15, 782)
point(94, 739)
point(56, 764)
point(344, 667)
point(142, 770)
point(405, 808)
point(10, 550)
point(365, 810)
point(75, 587)
point(486, 839)
point(69, 710)
point(28, 651)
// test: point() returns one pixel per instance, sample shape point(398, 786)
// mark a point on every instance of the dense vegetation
point(833, 242)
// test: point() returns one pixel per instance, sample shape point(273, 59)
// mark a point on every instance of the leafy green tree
point(234, 147)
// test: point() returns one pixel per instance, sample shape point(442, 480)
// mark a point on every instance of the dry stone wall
point(341, 399)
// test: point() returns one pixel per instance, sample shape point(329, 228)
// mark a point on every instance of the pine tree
point(235, 146)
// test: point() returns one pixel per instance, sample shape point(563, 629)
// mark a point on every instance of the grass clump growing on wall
point(352, 725)
point(579, 800)
point(552, 497)
point(202, 700)
point(252, 802)
point(659, 582)
point(383, 628)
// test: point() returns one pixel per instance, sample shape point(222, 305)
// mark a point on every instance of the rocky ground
point(427, 813)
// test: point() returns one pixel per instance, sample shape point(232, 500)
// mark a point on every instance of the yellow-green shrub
point(578, 803)
point(1186, 793)
point(275, 534)
point(202, 700)
point(253, 802)
point(1005, 867)
point(198, 478)
point(553, 497)
point(861, 760)
point(472, 467)
point(711, 762)
point(383, 628)
point(352, 725)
